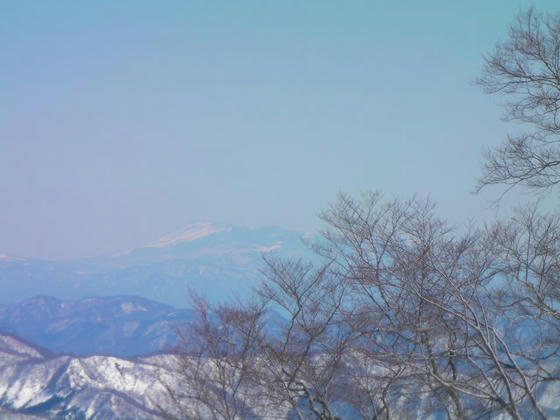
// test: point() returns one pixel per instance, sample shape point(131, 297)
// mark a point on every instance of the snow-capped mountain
point(36, 383)
point(118, 325)
point(207, 240)
point(217, 261)
point(96, 387)
point(191, 233)
point(33, 382)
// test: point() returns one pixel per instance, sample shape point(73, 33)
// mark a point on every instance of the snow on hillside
point(107, 387)
point(68, 387)
point(96, 387)
point(191, 233)
point(12, 345)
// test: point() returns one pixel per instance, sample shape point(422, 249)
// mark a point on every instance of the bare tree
point(231, 367)
point(529, 248)
point(406, 317)
point(433, 296)
point(526, 70)
point(305, 360)
point(215, 364)
point(529, 256)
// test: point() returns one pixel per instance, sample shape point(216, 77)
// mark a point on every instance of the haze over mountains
point(70, 356)
point(119, 325)
point(217, 261)
point(69, 328)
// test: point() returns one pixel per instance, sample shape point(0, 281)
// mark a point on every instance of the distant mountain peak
point(190, 233)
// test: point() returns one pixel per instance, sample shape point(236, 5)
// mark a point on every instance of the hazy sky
point(123, 120)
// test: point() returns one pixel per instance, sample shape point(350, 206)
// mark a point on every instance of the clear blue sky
point(124, 120)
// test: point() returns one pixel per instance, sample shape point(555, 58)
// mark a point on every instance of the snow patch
point(270, 248)
point(129, 307)
point(191, 233)
point(129, 328)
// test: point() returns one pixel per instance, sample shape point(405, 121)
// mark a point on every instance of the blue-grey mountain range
point(120, 325)
point(216, 261)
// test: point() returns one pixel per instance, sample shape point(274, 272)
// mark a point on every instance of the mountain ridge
point(217, 261)
point(125, 326)
point(108, 387)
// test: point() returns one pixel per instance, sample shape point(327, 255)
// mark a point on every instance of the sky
point(121, 121)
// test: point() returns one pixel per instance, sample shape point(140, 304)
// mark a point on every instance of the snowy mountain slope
point(190, 233)
point(14, 415)
point(215, 260)
point(14, 346)
point(96, 387)
point(106, 387)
